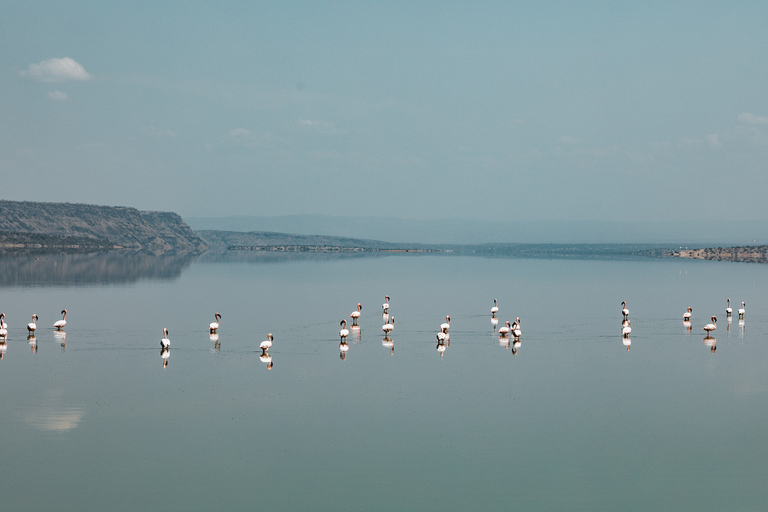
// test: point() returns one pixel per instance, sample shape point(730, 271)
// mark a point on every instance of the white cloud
point(57, 70)
point(747, 118)
point(158, 132)
point(58, 95)
point(571, 140)
point(714, 142)
point(320, 126)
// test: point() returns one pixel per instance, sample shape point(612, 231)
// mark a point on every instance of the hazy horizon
point(466, 231)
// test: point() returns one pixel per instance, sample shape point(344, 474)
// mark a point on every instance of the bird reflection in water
point(504, 341)
point(741, 328)
point(627, 342)
point(355, 331)
point(32, 340)
point(494, 323)
point(711, 343)
point(165, 353)
point(266, 358)
point(343, 347)
point(61, 337)
point(214, 337)
point(728, 324)
point(441, 346)
point(3, 347)
point(516, 346)
point(390, 344)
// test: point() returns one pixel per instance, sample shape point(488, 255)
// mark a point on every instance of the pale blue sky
point(502, 110)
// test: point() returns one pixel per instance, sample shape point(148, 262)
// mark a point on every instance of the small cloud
point(57, 70)
point(157, 132)
point(713, 141)
point(58, 95)
point(248, 138)
point(320, 126)
point(746, 118)
point(571, 140)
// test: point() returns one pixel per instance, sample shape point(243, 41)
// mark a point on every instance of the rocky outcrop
point(122, 227)
point(745, 254)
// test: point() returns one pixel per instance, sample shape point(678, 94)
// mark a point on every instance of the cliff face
point(129, 228)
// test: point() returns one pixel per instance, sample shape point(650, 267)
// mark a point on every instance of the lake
point(565, 419)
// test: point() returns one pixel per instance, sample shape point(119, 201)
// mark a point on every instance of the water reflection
point(3, 347)
point(711, 343)
point(61, 337)
point(343, 347)
point(356, 332)
point(165, 353)
point(627, 342)
point(266, 358)
point(390, 344)
point(110, 267)
point(516, 346)
point(214, 337)
point(32, 340)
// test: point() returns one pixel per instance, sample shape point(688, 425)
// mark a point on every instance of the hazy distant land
point(65, 228)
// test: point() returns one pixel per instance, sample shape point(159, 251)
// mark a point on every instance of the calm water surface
point(567, 420)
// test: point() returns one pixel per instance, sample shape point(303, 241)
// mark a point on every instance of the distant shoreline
point(742, 254)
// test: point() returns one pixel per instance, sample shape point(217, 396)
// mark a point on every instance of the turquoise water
point(568, 420)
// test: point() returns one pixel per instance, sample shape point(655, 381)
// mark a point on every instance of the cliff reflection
point(110, 267)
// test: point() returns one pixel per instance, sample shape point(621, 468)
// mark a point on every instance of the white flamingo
point(447, 324)
point(742, 311)
point(267, 343)
point(624, 310)
point(687, 315)
point(165, 342)
point(515, 329)
point(389, 326)
point(59, 324)
point(504, 331)
point(385, 306)
point(728, 310)
point(711, 327)
point(214, 327)
point(356, 314)
point(32, 326)
point(2, 321)
point(344, 332)
point(494, 309)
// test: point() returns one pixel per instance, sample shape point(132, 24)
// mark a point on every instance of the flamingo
point(2, 321)
point(59, 324)
point(356, 314)
point(742, 311)
point(32, 326)
point(624, 310)
point(385, 306)
point(516, 328)
point(214, 327)
point(388, 327)
point(728, 310)
point(506, 329)
point(165, 343)
point(264, 346)
point(447, 325)
point(494, 309)
point(626, 330)
point(344, 332)
point(687, 315)
point(711, 327)
point(3, 332)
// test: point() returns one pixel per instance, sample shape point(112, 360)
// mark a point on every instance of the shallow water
point(569, 419)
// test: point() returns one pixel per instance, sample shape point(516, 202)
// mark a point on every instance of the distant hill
point(73, 224)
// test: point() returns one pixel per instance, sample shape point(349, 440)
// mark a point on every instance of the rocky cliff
point(122, 227)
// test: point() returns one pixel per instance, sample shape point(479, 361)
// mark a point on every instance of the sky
point(519, 111)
